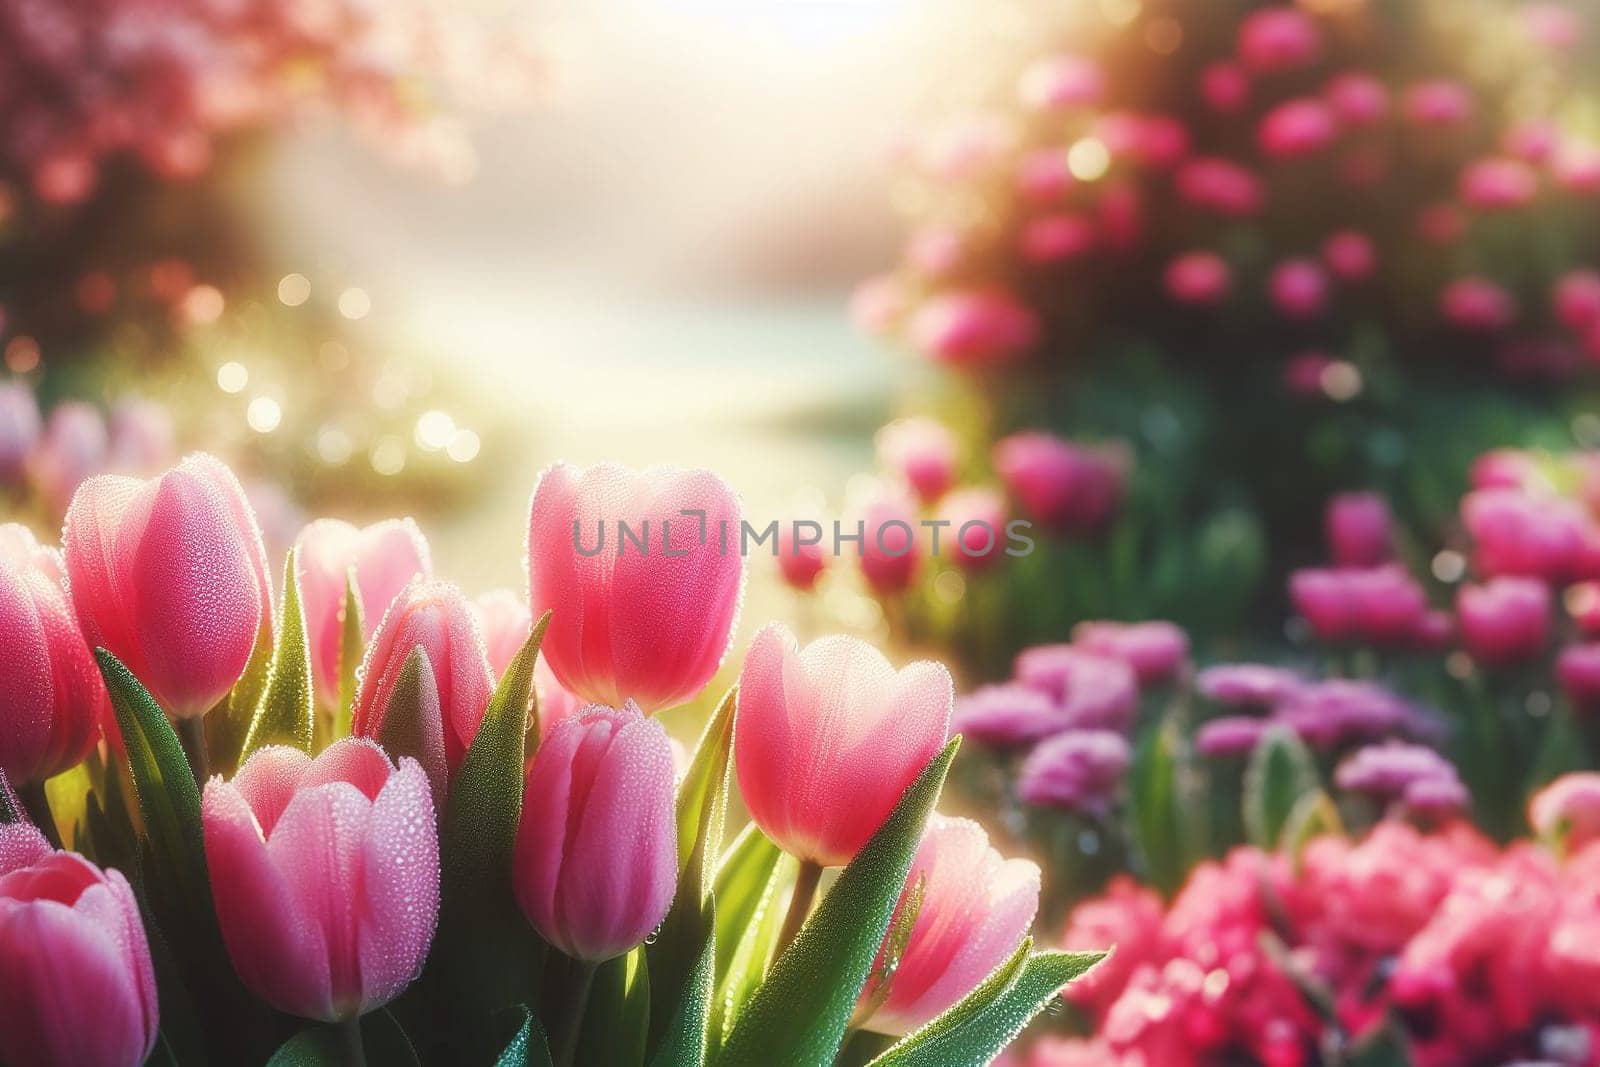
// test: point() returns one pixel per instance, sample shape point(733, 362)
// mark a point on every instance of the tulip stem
point(582, 983)
point(37, 805)
point(355, 1051)
point(192, 735)
point(805, 890)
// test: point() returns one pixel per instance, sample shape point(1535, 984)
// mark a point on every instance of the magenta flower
point(973, 328)
point(977, 527)
point(1299, 127)
point(1247, 685)
point(1350, 255)
point(828, 737)
point(171, 577)
point(1356, 98)
point(1575, 299)
point(1230, 735)
point(1498, 184)
point(325, 876)
point(1156, 650)
point(76, 983)
point(1221, 187)
point(54, 701)
point(1477, 305)
point(975, 909)
point(385, 556)
point(1057, 238)
point(1278, 39)
point(19, 430)
point(1299, 288)
point(1359, 529)
point(1224, 87)
point(1091, 691)
point(1198, 279)
point(1440, 102)
point(1338, 711)
point(649, 625)
point(1413, 776)
point(1382, 605)
point(1578, 671)
point(800, 563)
point(923, 452)
point(1065, 487)
point(1006, 716)
point(1078, 769)
point(596, 860)
point(891, 552)
point(1505, 620)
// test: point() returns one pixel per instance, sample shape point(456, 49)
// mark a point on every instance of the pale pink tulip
point(76, 984)
point(72, 448)
point(890, 550)
point(505, 622)
point(170, 576)
point(975, 909)
point(1061, 83)
point(19, 430)
point(800, 560)
point(1278, 39)
point(828, 738)
point(923, 452)
point(650, 624)
point(325, 876)
point(385, 556)
point(596, 858)
point(973, 327)
point(54, 702)
point(437, 618)
point(976, 527)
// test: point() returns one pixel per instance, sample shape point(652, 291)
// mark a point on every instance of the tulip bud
point(325, 876)
point(19, 429)
point(649, 624)
point(72, 448)
point(1505, 620)
point(170, 576)
point(596, 860)
point(1079, 770)
point(435, 617)
point(76, 983)
point(923, 452)
point(385, 556)
point(800, 559)
point(890, 552)
point(1359, 529)
point(1578, 671)
point(828, 738)
point(54, 701)
point(974, 909)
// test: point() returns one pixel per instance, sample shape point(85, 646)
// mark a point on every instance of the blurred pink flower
point(1299, 127)
point(19, 430)
point(976, 527)
point(1383, 604)
point(800, 560)
point(1225, 87)
point(1569, 808)
point(73, 447)
point(1478, 305)
point(923, 452)
point(890, 550)
point(1359, 529)
point(1578, 672)
point(1246, 685)
point(1439, 102)
point(973, 327)
point(1091, 691)
point(1498, 184)
point(1357, 99)
point(1156, 650)
point(1077, 769)
point(1505, 620)
point(1067, 488)
point(1276, 39)
point(1007, 715)
point(1061, 83)
point(1575, 298)
point(1057, 238)
point(1198, 278)
point(1350, 255)
point(1299, 288)
point(1221, 187)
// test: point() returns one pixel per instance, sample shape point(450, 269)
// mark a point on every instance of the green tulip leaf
point(1163, 814)
point(529, 1046)
point(1280, 772)
point(800, 1012)
point(287, 710)
point(351, 649)
point(9, 805)
point(329, 1045)
point(412, 724)
point(749, 920)
point(617, 1020)
point(684, 1042)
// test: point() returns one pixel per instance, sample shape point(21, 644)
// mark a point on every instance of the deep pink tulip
point(437, 618)
point(1504, 620)
point(1356, 98)
point(1516, 532)
point(1156, 650)
point(1568, 807)
point(1440, 102)
point(72, 448)
point(1498, 184)
point(891, 548)
point(55, 702)
point(386, 556)
point(19, 430)
point(1296, 128)
point(1061, 83)
point(650, 625)
point(1299, 288)
point(827, 739)
point(1477, 305)
point(1350, 255)
point(76, 984)
point(1278, 39)
point(1383, 605)
point(325, 876)
point(976, 535)
point(975, 909)
point(923, 452)
point(1359, 529)
point(170, 576)
point(596, 859)
point(973, 327)
point(1199, 279)
point(1057, 238)
point(1225, 88)
point(1578, 671)
point(800, 561)
point(143, 439)
point(1067, 488)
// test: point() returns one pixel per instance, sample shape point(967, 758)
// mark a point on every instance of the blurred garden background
point(1277, 320)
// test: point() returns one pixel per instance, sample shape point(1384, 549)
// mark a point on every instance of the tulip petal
point(267, 782)
point(401, 886)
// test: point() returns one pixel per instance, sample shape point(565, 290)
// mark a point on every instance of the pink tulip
point(1299, 288)
point(1440, 102)
point(1221, 187)
point(976, 529)
point(1576, 300)
point(1568, 807)
point(19, 429)
point(923, 452)
point(1043, 176)
point(171, 577)
point(1505, 468)
point(1065, 487)
point(72, 448)
point(1497, 184)
point(1515, 532)
point(1505, 620)
point(143, 439)
point(54, 700)
point(1091, 691)
point(800, 562)
point(1278, 39)
point(973, 327)
point(1296, 128)
point(1350, 255)
point(1576, 167)
point(828, 738)
point(1161, 141)
point(1357, 99)
point(1382, 605)
point(1478, 305)
point(1199, 279)
point(596, 859)
point(975, 909)
point(1359, 529)
point(325, 876)
point(1532, 140)
point(936, 251)
point(385, 557)
point(648, 625)
point(890, 549)
point(1061, 83)
point(1225, 88)
point(76, 983)
point(435, 617)
point(1155, 650)
point(505, 622)
point(1578, 671)
point(1057, 238)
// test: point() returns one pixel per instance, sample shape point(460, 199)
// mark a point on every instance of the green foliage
point(287, 709)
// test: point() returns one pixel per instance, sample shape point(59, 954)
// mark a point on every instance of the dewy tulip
point(435, 617)
point(596, 858)
point(975, 909)
point(648, 624)
point(170, 576)
point(385, 557)
point(827, 739)
point(325, 875)
point(76, 983)
point(52, 701)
